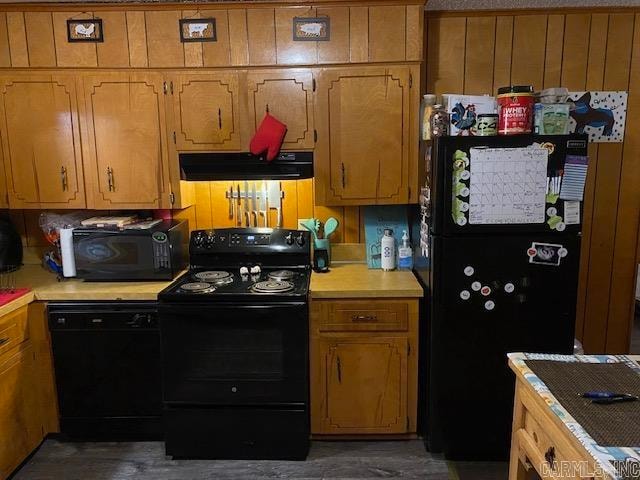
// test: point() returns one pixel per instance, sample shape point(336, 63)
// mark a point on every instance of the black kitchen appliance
point(113, 254)
point(200, 166)
point(501, 274)
point(107, 365)
point(10, 246)
point(235, 347)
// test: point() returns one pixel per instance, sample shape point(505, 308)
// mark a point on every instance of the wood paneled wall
point(246, 36)
point(477, 53)
point(211, 209)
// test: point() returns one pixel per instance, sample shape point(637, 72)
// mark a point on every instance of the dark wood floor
point(327, 461)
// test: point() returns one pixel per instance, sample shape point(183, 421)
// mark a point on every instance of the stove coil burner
point(281, 275)
point(217, 277)
point(197, 287)
point(272, 286)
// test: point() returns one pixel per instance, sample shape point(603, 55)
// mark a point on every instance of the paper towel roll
point(66, 252)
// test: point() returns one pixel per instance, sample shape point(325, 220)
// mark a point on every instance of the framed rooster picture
point(85, 30)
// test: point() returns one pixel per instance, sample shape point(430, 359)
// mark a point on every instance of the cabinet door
point(364, 384)
point(19, 414)
point(205, 109)
point(125, 151)
point(362, 153)
point(41, 141)
point(288, 95)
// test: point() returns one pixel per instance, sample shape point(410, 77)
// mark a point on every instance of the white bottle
point(388, 246)
point(405, 254)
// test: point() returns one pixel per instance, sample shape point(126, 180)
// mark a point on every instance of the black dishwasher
point(108, 372)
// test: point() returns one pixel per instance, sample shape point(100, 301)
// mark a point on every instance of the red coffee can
point(515, 109)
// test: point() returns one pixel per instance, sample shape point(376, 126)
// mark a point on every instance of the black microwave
point(156, 253)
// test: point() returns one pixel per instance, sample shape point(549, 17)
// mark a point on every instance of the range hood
point(245, 166)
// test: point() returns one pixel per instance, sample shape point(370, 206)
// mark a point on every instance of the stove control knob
point(255, 270)
point(289, 238)
point(210, 241)
point(300, 240)
point(244, 271)
point(198, 240)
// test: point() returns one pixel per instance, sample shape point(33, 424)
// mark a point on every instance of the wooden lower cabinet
point(363, 367)
point(28, 407)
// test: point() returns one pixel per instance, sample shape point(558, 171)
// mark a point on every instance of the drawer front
point(544, 453)
point(13, 330)
point(365, 316)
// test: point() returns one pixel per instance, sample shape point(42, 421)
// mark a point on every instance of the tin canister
point(486, 125)
point(515, 109)
point(439, 122)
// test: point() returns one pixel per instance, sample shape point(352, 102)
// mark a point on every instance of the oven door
point(227, 354)
point(113, 256)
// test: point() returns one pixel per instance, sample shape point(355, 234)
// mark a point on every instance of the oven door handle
point(182, 308)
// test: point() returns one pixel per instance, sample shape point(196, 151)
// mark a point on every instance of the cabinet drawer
point(542, 450)
point(13, 330)
point(365, 316)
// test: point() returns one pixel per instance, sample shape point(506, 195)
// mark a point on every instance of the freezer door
point(450, 214)
point(492, 295)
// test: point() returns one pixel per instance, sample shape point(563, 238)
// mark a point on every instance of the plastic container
point(515, 109)
point(428, 101)
point(388, 246)
point(486, 125)
point(405, 254)
point(551, 118)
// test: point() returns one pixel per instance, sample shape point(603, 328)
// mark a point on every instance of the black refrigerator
point(500, 229)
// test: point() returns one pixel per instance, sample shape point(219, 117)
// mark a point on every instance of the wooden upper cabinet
point(363, 123)
point(41, 141)
point(206, 111)
point(365, 385)
point(288, 95)
point(124, 140)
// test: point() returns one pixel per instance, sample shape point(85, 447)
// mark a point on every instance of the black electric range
point(235, 346)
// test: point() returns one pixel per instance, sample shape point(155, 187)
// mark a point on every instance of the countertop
point(351, 280)
point(45, 286)
point(355, 280)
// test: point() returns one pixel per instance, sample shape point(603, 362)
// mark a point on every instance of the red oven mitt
point(268, 137)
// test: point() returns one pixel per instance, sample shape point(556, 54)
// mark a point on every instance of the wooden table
point(545, 437)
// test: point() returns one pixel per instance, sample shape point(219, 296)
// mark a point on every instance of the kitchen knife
point(231, 202)
point(254, 204)
point(238, 213)
point(247, 214)
point(275, 200)
point(264, 211)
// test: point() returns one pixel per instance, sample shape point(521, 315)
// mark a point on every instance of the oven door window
point(240, 354)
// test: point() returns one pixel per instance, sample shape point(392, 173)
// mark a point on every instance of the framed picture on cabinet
point(311, 29)
point(85, 30)
point(198, 30)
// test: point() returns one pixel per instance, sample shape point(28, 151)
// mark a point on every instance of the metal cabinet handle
point(110, 181)
point(171, 87)
point(550, 457)
point(3, 340)
point(164, 87)
point(364, 318)
point(344, 182)
point(63, 178)
point(220, 118)
point(339, 368)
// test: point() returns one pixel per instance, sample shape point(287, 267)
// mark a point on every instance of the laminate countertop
point(355, 280)
point(45, 286)
point(351, 280)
